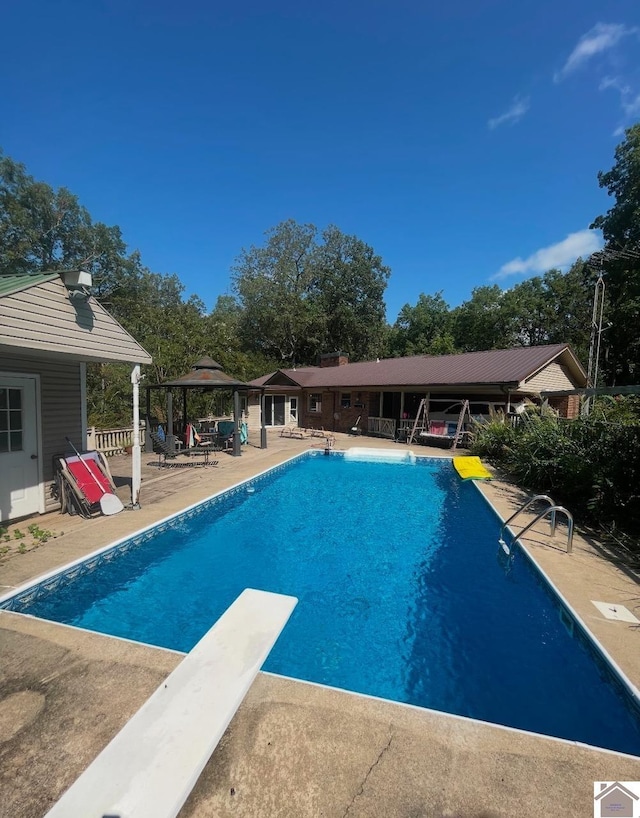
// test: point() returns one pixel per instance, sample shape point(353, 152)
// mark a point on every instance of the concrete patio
point(293, 749)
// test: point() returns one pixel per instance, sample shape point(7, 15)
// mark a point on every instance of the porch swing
point(436, 430)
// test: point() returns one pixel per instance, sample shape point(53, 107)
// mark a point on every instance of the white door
point(20, 491)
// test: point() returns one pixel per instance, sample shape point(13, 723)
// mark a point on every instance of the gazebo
point(206, 374)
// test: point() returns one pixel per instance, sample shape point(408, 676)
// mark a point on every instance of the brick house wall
point(332, 405)
point(567, 406)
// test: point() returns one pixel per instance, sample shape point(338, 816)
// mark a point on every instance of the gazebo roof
point(207, 374)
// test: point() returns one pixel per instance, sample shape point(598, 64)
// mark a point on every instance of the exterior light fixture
point(78, 282)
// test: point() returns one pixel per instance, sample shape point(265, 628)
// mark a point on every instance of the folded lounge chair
point(172, 457)
point(81, 486)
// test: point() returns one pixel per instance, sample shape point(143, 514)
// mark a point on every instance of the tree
point(483, 322)
point(425, 329)
point(350, 280)
point(301, 297)
point(621, 261)
point(45, 229)
point(570, 304)
point(273, 284)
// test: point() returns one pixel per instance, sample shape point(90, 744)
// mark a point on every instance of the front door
point(20, 491)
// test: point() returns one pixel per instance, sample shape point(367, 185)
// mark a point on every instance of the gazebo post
point(263, 427)
point(236, 418)
point(170, 436)
point(185, 417)
point(147, 428)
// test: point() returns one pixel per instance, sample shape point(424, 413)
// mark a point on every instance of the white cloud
point(602, 37)
point(518, 109)
point(560, 255)
point(631, 106)
point(617, 83)
point(629, 99)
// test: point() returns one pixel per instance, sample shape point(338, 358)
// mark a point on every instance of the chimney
point(334, 359)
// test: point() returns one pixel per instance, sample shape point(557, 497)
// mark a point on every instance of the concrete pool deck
point(293, 749)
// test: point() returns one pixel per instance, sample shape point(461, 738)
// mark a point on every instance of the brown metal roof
point(496, 366)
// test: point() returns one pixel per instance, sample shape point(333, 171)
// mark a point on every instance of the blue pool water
point(403, 593)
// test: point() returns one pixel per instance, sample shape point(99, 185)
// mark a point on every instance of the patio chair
point(172, 457)
point(226, 432)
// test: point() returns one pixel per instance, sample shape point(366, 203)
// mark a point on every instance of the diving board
point(470, 468)
point(153, 763)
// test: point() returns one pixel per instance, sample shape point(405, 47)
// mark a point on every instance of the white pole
point(136, 458)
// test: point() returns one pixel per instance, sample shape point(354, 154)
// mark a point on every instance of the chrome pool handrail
point(552, 510)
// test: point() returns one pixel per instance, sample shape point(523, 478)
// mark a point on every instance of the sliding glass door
point(274, 410)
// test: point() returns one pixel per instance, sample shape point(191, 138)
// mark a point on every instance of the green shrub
point(590, 464)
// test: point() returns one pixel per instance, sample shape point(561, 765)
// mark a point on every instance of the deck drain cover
point(611, 610)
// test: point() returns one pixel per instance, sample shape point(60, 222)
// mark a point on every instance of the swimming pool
point(404, 593)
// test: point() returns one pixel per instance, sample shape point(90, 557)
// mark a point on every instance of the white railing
point(386, 427)
point(110, 441)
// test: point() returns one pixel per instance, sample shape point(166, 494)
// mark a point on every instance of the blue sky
point(462, 141)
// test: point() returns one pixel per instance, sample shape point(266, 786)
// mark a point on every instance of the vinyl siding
point(60, 415)
point(553, 376)
point(43, 318)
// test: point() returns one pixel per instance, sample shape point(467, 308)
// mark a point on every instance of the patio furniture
point(226, 431)
point(80, 486)
point(292, 431)
point(436, 435)
point(171, 457)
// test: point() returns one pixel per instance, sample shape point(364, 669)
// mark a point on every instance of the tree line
point(303, 292)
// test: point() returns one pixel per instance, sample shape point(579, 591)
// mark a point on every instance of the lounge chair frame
point(168, 457)
point(67, 489)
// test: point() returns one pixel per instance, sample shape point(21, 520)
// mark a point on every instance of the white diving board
point(153, 763)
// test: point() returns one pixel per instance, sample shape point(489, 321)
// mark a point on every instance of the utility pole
point(594, 344)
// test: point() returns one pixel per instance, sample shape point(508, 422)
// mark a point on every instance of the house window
point(315, 402)
point(293, 409)
point(345, 400)
point(11, 424)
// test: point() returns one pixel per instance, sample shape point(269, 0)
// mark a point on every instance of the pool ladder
point(552, 509)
